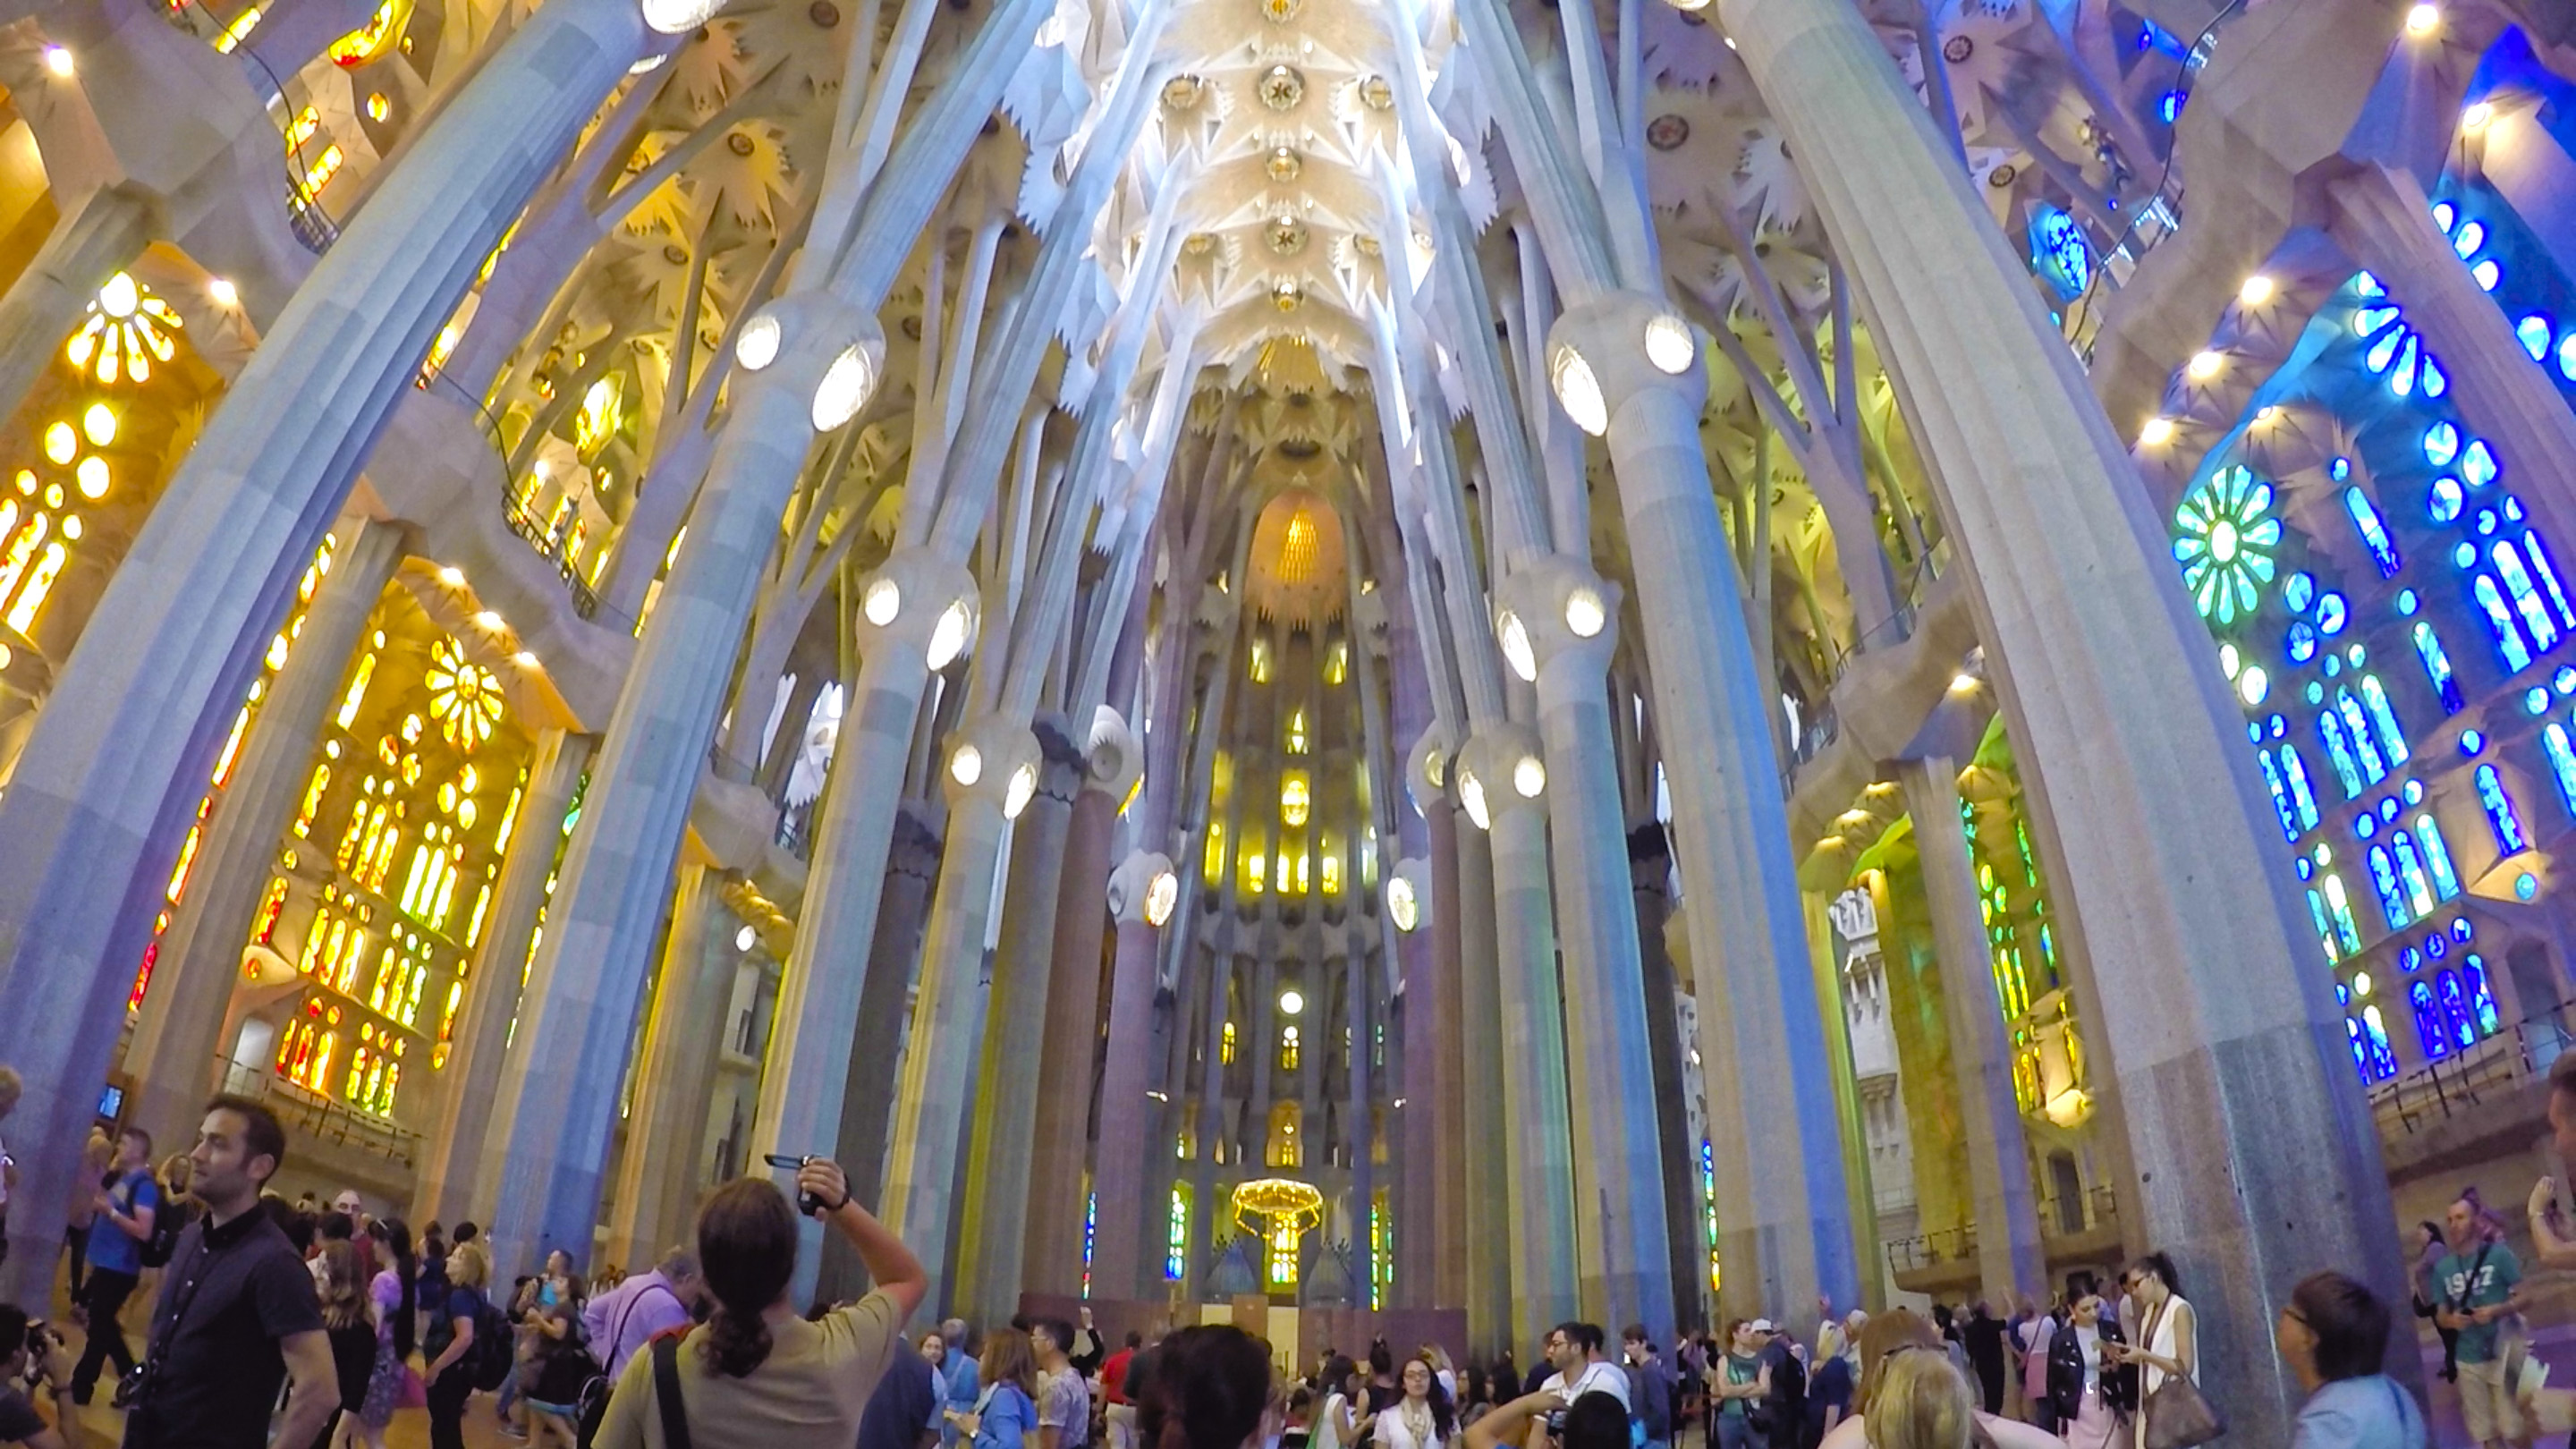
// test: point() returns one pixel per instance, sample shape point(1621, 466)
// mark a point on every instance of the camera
point(806, 1202)
point(1555, 1421)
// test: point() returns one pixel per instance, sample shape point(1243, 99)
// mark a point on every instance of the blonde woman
point(451, 1337)
point(1922, 1403)
point(1892, 1340)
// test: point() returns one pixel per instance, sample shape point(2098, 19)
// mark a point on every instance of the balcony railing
point(322, 1118)
point(2059, 1219)
point(2499, 1067)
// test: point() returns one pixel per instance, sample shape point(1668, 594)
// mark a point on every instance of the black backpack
point(1785, 1409)
point(168, 1223)
point(495, 1350)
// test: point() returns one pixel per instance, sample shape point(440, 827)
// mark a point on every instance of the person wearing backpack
point(128, 1201)
point(462, 1338)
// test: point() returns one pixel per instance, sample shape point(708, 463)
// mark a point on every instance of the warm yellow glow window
point(1288, 1052)
point(1261, 661)
point(1295, 798)
point(1225, 1047)
point(1297, 550)
point(1337, 662)
point(1299, 741)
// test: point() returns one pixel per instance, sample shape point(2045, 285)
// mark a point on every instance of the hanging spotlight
point(1160, 897)
point(757, 347)
point(1529, 777)
point(1514, 637)
point(677, 17)
point(1401, 906)
point(1669, 344)
point(1471, 793)
point(1022, 789)
point(2157, 433)
point(844, 389)
point(2258, 289)
point(1577, 390)
point(881, 601)
point(2424, 20)
point(1585, 615)
point(966, 766)
point(948, 636)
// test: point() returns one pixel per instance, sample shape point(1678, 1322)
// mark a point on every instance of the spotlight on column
point(1022, 789)
point(1435, 767)
point(1401, 907)
point(966, 766)
point(844, 389)
point(881, 601)
point(2477, 117)
point(2206, 364)
point(744, 938)
point(1514, 637)
point(1471, 793)
point(948, 636)
point(1160, 897)
point(1669, 344)
point(223, 293)
point(673, 17)
point(1584, 614)
point(1529, 777)
point(58, 60)
point(2157, 433)
point(1577, 390)
point(757, 347)
point(2424, 20)
point(2258, 289)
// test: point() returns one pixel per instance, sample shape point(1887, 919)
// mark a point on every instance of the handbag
point(2178, 1417)
point(666, 1393)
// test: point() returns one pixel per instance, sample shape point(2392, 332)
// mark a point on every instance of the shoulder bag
point(2177, 1416)
point(666, 1392)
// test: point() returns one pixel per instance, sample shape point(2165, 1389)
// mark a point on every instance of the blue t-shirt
point(2496, 1278)
point(111, 1247)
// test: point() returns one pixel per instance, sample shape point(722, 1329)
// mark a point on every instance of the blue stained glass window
point(2300, 643)
point(2374, 533)
point(2567, 357)
point(2383, 1062)
point(2428, 1022)
point(2436, 382)
point(2383, 882)
point(2436, 946)
point(2441, 444)
point(2339, 905)
point(2444, 500)
point(2481, 1000)
point(2410, 958)
point(2280, 797)
point(2384, 351)
point(2365, 825)
point(2325, 933)
point(2410, 872)
point(2437, 666)
point(2534, 332)
point(2457, 1015)
point(2340, 751)
point(2360, 1053)
point(2536, 553)
point(2298, 591)
point(2478, 466)
point(2501, 817)
point(2526, 598)
point(2058, 252)
point(2510, 644)
point(2401, 378)
point(2488, 274)
point(2392, 740)
point(2562, 761)
point(2364, 746)
point(2461, 930)
point(2437, 857)
point(2294, 773)
point(2468, 239)
point(2332, 615)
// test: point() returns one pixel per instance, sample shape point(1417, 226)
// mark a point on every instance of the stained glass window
point(2430, 1032)
point(2340, 905)
point(1176, 1234)
point(2373, 531)
point(2437, 857)
point(2481, 1001)
point(2383, 1062)
point(2339, 749)
point(2510, 645)
point(2294, 773)
point(2501, 817)
point(2437, 666)
point(2392, 894)
point(2383, 721)
point(2224, 538)
point(2527, 603)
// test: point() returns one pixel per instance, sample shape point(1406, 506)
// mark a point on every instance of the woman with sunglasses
point(2090, 1392)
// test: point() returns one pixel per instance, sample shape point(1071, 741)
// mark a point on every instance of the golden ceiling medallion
point(1286, 295)
point(1376, 94)
point(1366, 244)
point(1284, 165)
point(1280, 12)
point(1286, 235)
point(1282, 87)
point(1199, 243)
point(1182, 92)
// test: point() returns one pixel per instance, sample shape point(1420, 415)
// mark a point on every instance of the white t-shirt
point(1602, 1377)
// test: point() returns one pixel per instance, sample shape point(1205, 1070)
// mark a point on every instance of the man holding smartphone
point(32, 1353)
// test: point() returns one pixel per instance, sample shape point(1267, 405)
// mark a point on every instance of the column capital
point(994, 759)
point(1502, 769)
point(918, 600)
point(1605, 352)
point(1062, 765)
point(1556, 607)
point(1114, 758)
point(1427, 764)
point(1410, 902)
point(1143, 888)
point(812, 344)
point(914, 851)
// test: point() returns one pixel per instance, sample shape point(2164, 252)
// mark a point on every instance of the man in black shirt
point(237, 1315)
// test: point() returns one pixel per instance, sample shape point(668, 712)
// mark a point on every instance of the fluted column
point(104, 789)
point(577, 1027)
point(1784, 1212)
point(1487, 1174)
point(1053, 1263)
point(1650, 865)
point(1018, 1015)
point(666, 1124)
point(453, 1170)
point(178, 1032)
point(2010, 1261)
point(989, 762)
point(1494, 771)
point(867, 1096)
point(2254, 1153)
point(1568, 614)
point(100, 236)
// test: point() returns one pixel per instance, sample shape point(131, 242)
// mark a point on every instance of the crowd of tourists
point(307, 1324)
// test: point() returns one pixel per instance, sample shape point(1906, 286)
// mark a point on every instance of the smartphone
point(806, 1202)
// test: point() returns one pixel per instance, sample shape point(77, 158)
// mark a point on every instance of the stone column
point(577, 1029)
point(2010, 1260)
point(1567, 612)
point(1783, 1210)
point(178, 1033)
point(867, 1095)
point(112, 773)
point(1020, 1018)
point(930, 1103)
point(1428, 1024)
point(453, 1184)
point(100, 236)
point(2384, 222)
point(1538, 1137)
point(1053, 1263)
point(658, 1178)
point(1650, 865)
point(2255, 1154)
point(1491, 1198)
point(1450, 1207)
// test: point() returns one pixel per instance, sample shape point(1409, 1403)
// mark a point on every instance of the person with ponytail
point(1005, 1415)
point(756, 1375)
point(393, 1304)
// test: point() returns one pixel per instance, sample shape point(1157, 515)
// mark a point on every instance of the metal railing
point(2094, 1209)
point(305, 215)
point(322, 1118)
point(2496, 1068)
